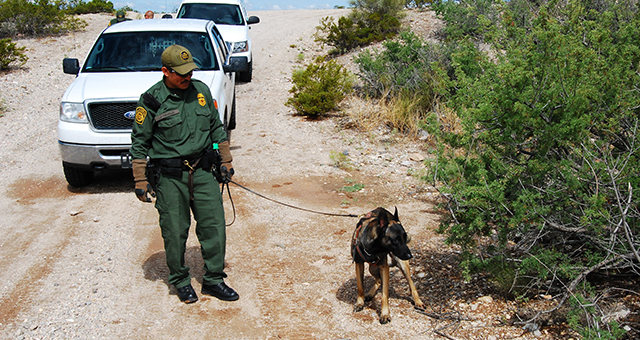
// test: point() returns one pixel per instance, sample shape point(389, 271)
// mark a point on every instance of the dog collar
point(357, 245)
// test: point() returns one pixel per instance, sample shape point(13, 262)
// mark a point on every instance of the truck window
point(221, 14)
point(141, 51)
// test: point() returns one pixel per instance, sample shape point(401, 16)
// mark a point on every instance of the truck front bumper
point(93, 157)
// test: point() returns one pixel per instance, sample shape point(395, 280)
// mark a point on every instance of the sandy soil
point(89, 264)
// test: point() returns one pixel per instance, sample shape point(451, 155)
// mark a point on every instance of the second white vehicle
point(233, 22)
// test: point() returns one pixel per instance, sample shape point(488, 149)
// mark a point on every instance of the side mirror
point(253, 20)
point(236, 64)
point(70, 66)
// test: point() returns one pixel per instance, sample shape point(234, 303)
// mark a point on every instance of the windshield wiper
point(122, 68)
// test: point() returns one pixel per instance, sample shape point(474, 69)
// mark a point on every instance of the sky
point(252, 5)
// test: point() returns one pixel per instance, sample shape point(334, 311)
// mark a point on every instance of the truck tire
point(245, 77)
point(76, 177)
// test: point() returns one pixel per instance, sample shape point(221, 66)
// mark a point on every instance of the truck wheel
point(245, 77)
point(76, 177)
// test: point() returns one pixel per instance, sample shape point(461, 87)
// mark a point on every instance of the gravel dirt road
point(89, 264)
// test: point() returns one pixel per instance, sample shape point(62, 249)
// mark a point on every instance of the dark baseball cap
point(178, 58)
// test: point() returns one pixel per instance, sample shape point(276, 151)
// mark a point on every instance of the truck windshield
point(221, 14)
point(141, 51)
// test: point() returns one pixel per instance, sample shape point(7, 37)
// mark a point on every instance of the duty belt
point(175, 166)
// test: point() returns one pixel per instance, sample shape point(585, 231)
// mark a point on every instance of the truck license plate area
point(125, 160)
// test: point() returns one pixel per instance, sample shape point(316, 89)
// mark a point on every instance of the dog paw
point(419, 307)
point(384, 319)
point(358, 308)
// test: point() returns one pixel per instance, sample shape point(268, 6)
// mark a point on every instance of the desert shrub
point(93, 6)
point(407, 66)
point(467, 17)
point(544, 171)
point(39, 17)
point(409, 75)
point(369, 21)
point(319, 88)
point(9, 54)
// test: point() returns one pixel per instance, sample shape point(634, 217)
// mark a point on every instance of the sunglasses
point(181, 75)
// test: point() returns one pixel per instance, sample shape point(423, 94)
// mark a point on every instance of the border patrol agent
point(119, 18)
point(176, 125)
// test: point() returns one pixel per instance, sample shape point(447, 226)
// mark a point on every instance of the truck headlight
point(240, 46)
point(73, 113)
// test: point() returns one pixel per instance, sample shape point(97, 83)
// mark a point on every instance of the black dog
point(380, 240)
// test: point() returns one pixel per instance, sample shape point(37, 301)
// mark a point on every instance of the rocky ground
point(89, 264)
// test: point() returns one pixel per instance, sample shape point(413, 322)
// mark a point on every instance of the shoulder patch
point(201, 99)
point(141, 114)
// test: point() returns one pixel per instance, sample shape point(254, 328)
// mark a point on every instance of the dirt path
point(89, 264)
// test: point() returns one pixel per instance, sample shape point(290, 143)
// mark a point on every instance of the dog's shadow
point(155, 267)
point(438, 279)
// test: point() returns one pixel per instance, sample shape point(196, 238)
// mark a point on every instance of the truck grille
point(111, 116)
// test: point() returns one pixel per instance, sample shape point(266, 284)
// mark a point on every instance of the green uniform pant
point(174, 207)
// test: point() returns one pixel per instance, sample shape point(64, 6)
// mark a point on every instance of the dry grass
point(402, 115)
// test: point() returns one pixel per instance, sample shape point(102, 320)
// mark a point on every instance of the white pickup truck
point(232, 20)
point(98, 109)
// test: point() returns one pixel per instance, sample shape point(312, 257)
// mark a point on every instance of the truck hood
point(118, 85)
point(233, 33)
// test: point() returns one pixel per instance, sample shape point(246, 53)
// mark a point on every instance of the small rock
point(485, 299)
point(416, 157)
point(531, 327)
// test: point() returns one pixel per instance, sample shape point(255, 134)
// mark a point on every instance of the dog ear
point(395, 215)
point(383, 219)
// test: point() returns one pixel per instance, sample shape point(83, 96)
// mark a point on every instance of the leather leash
point(274, 201)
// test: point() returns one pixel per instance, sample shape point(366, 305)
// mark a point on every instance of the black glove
point(227, 173)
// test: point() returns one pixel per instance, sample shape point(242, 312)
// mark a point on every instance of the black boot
point(221, 291)
point(187, 294)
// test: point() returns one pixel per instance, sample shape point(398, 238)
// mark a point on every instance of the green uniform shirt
point(186, 123)
point(117, 20)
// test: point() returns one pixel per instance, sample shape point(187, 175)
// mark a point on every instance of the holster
point(211, 161)
point(153, 174)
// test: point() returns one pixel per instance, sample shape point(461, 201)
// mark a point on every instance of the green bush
point(319, 88)
point(545, 170)
point(407, 67)
point(468, 18)
point(40, 17)
point(9, 54)
point(93, 6)
point(369, 21)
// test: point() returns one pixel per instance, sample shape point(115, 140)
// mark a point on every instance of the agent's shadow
point(155, 267)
